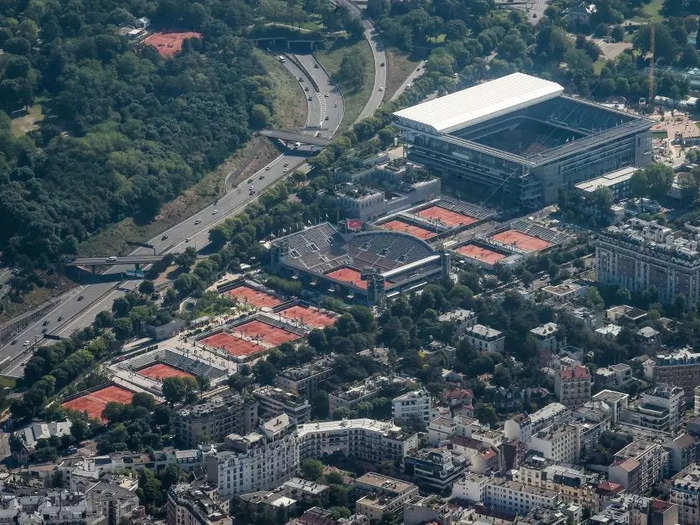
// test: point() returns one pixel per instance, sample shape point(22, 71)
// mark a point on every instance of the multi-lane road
point(77, 308)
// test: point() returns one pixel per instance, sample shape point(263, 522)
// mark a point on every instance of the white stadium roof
point(481, 102)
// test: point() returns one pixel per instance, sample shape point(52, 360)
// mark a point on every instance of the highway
point(380, 61)
point(410, 79)
point(78, 307)
point(113, 261)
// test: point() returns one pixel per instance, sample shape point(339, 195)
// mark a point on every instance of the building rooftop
point(684, 356)
point(383, 483)
point(545, 330)
point(610, 396)
point(574, 372)
point(484, 332)
point(386, 427)
point(481, 102)
point(608, 179)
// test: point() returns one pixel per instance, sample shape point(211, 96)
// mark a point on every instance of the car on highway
point(26, 343)
point(111, 258)
point(325, 95)
point(187, 239)
point(59, 318)
point(165, 236)
point(197, 222)
point(286, 164)
point(382, 64)
point(215, 212)
point(326, 117)
point(80, 298)
point(380, 88)
point(285, 170)
point(267, 168)
point(46, 321)
point(310, 98)
point(261, 177)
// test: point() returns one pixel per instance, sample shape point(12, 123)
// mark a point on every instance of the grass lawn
point(354, 101)
point(246, 161)
point(289, 111)
point(7, 381)
point(598, 65)
point(399, 66)
point(27, 123)
point(36, 297)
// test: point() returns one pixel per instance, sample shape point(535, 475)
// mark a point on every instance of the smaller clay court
point(95, 402)
point(169, 44)
point(233, 345)
point(308, 316)
point(447, 217)
point(480, 254)
point(404, 227)
point(257, 298)
point(160, 371)
point(521, 240)
point(267, 333)
point(348, 275)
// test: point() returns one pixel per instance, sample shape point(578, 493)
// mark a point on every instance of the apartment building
point(616, 401)
point(639, 466)
point(680, 368)
point(274, 401)
point(484, 338)
point(523, 426)
point(501, 495)
point(462, 320)
point(559, 443)
point(573, 485)
point(366, 439)
point(572, 385)
point(196, 504)
point(591, 419)
point(685, 493)
point(305, 380)
point(213, 420)
point(661, 409)
point(435, 469)
point(641, 255)
point(415, 405)
point(349, 397)
point(260, 460)
point(613, 376)
point(382, 496)
point(548, 338)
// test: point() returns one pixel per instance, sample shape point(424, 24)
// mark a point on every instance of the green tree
point(312, 469)
point(174, 389)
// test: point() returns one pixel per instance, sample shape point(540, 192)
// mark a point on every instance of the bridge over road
point(294, 136)
point(113, 261)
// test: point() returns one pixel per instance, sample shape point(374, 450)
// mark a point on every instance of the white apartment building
point(461, 318)
point(572, 484)
point(523, 426)
point(484, 338)
point(547, 338)
point(259, 460)
point(685, 492)
point(661, 409)
point(414, 405)
point(639, 466)
point(559, 443)
point(366, 439)
point(501, 495)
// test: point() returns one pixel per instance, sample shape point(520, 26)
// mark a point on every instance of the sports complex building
point(367, 266)
point(522, 136)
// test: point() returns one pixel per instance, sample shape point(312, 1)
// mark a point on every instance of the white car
point(215, 212)
point(197, 222)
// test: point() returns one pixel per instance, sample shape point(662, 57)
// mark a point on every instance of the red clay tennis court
point(348, 275)
point(447, 217)
point(169, 44)
point(521, 241)
point(259, 299)
point(401, 226)
point(480, 254)
point(233, 345)
point(160, 371)
point(308, 316)
point(266, 332)
point(95, 402)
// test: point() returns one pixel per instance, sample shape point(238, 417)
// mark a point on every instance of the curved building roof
point(479, 103)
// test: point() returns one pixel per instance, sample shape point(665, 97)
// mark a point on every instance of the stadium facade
point(366, 266)
point(522, 136)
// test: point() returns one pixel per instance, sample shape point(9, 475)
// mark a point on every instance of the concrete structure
point(625, 312)
point(461, 318)
point(642, 255)
point(350, 396)
point(519, 135)
point(382, 496)
point(435, 469)
point(196, 504)
point(680, 368)
point(685, 493)
point(259, 460)
point(639, 466)
point(415, 405)
point(365, 439)
point(572, 385)
point(484, 338)
point(501, 495)
point(618, 182)
point(559, 443)
point(613, 376)
point(275, 401)
point(29, 435)
point(522, 427)
point(305, 380)
point(696, 402)
point(617, 401)
point(547, 338)
point(661, 409)
point(214, 419)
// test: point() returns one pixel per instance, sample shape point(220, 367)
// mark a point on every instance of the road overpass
point(287, 135)
point(114, 261)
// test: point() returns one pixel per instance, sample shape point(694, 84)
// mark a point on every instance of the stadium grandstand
point(366, 266)
point(519, 135)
